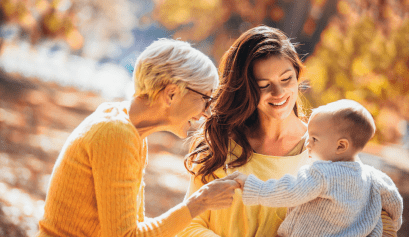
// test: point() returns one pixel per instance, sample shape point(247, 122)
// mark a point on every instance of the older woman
point(97, 188)
point(256, 128)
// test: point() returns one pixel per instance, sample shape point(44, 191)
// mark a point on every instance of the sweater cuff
point(251, 190)
point(177, 219)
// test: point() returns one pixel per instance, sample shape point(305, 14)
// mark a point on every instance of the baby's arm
point(288, 191)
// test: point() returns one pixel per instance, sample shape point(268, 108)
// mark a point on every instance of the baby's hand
point(241, 179)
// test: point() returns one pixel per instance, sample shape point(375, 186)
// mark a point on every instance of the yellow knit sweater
point(253, 221)
point(97, 187)
point(240, 220)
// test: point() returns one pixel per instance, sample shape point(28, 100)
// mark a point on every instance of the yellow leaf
point(9, 8)
point(208, 4)
point(377, 84)
point(391, 50)
point(357, 95)
point(331, 38)
point(343, 81)
point(361, 66)
point(401, 68)
point(373, 108)
point(330, 95)
point(343, 7)
point(316, 73)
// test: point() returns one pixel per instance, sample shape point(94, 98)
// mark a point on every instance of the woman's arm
point(215, 195)
point(199, 225)
point(117, 161)
point(388, 229)
point(117, 167)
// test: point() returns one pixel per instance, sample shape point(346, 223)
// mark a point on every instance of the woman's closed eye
point(264, 86)
point(287, 79)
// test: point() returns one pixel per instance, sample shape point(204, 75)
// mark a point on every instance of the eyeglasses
point(206, 98)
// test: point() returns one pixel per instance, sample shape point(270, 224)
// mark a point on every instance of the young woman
point(256, 128)
point(97, 186)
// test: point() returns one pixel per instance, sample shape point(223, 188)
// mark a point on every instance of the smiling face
point(277, 80)
point(185, 110)
point(322, 137)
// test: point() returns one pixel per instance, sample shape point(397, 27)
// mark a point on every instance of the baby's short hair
point(352, 118)
point(169, 61)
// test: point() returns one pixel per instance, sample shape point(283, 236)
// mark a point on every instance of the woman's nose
point(277, 90)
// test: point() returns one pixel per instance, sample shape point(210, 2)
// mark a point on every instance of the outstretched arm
point(117, 169)
point(199, 226)
point(286, 192)
point(215, 195)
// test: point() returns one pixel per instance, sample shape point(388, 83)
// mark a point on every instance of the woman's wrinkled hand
point(215, 195)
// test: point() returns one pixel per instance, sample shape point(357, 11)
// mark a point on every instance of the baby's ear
point(342, 146)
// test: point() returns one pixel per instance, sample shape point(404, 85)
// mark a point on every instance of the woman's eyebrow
point(262, 79)
point(288, 70)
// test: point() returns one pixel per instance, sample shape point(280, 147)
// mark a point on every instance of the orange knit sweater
point(97, 187)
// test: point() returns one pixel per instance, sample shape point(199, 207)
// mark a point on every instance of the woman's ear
point(169, 93)
point(342, 146)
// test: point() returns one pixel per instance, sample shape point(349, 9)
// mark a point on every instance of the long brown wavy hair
point(235, 106)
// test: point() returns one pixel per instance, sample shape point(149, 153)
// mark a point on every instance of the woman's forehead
point(274, 65)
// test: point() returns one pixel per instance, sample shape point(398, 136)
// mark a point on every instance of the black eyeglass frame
point(207, 98)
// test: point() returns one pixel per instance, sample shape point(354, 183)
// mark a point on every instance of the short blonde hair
point(351, 118)
point(169, 61)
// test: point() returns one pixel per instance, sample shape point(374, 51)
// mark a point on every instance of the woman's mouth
point(280, 103)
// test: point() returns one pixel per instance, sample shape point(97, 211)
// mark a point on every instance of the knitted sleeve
point(289, 191)
point(117, 166)
point(392, 201)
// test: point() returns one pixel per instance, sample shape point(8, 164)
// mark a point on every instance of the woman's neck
point(146, 117)
point(276, 137)
point(274, 129)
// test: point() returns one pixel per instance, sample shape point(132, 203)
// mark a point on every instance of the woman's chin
point(182, 132)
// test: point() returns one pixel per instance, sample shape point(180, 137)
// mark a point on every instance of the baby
point(337, 195)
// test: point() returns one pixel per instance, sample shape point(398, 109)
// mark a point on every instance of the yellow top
point(248, 221)
point(97, 187)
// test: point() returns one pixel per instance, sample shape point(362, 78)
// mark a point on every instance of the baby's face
point(322, 137)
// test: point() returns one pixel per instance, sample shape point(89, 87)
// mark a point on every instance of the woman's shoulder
point(109, 120)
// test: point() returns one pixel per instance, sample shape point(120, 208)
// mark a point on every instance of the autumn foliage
point(43, 19)
point(362, 54)
point(352, 49)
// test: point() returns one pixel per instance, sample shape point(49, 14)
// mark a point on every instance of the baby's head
point(339, 130)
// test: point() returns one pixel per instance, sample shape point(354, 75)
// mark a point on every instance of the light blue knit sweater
point(329, 199)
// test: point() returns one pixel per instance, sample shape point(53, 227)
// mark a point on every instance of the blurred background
point(59, 59)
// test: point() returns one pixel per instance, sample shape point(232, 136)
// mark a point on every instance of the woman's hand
point(215, 195)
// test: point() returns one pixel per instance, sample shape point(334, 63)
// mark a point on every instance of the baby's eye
point(314, 139)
